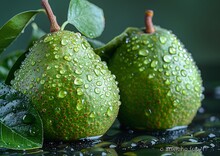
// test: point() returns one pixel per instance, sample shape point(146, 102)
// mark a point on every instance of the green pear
point(72, 89)
point(160, 84)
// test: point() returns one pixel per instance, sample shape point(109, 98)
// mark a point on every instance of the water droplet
point(178, 78)
point(62, 71)
point(57, 110)
point(78, 81)
point(48, 54)
point(135, 47)
point(64, 42)
point(176, 102)
point(31, 86)
point(169, 93)
point(177, 88)
point(79, 91)
point(76, 49)
point(196, 88)
point(38, 79)
point(150, 45)
point(97, 72)
point(183, 72)
point(163, 39)
point(177, 68)
point(154, 63)
point(172, 50)
point(51, 97)
point(165, 66)
point(28, 118)
point(56, 56)
point(78, 72)
point(141, 69)
point(79, 104)
point(58, 76)
point(174, 72)
point(160, 70)
point(167, 58)
point(109, 111)
point(91, 34)
point(167, 73)
point(150, 76)
point(86, 86)
point(62, 94)
point(167, 82)
point(107, 94)
point(185, 56)
point(42, 81)
point(84, 45)
point(98, 83)
point(33, 63)
point(90, 55)
point(143, 52)
point(92, 115)
point(184, 92)
point(48, 67)
point(188, 86)
point(180, 48)
point(147, 61)
point(103, 71)
point(148, 112)
point(67, 58)
point(56, 48)
point(48, 38)
point(97, 90)
point(33, 131)
point(176, 58)
point(89, 77)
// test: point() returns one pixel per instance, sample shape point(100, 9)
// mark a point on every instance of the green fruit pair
point(160, 84)
point(77, 96)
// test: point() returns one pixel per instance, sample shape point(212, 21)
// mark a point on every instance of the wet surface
point(202, 137)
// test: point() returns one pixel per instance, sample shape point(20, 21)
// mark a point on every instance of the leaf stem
point(54, 26)
point(148, 22)
point(64, 25)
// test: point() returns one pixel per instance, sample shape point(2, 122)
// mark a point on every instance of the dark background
point(195, 22)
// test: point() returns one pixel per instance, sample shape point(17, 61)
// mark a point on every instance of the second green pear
point(160, 84)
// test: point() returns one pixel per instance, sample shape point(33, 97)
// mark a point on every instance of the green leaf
point(86, 17)
point(37, 33)
point(95, 43)
point(14, 27)
point(21, 127)
point(107, 50)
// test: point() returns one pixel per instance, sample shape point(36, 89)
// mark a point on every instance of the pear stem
point(148, 22)
point(54, 26)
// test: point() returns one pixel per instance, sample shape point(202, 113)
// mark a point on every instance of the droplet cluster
point(70, 86)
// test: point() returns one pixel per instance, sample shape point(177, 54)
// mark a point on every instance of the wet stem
point(54, 26)
point(149, 27)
